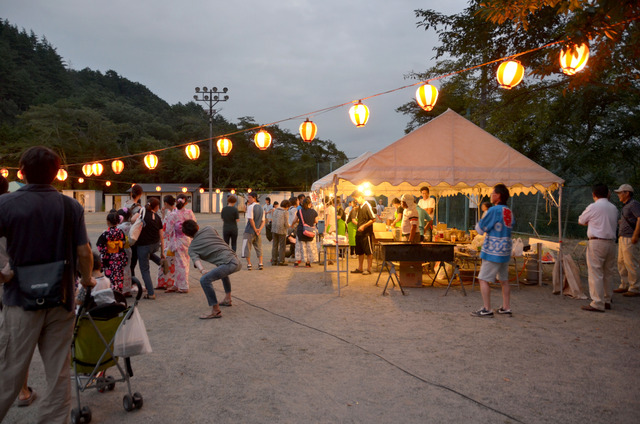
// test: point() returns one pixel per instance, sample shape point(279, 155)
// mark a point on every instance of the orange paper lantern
point(201, 190)
point(4, 172)
point(158, 188)
point(192, 151)
point(87, 170)
point(20, 175)
point(308, 130)
point(426, 96)
point(184, 189)
point(97, 169)
point(151, 161)
point(359, 114)
point(117, 166)
point(262, 139)
point(62, 174)
point(574, 58)
point(224, 146)
point(510, 73)
point(218, 191)
point(108, 183)
point(80, 180)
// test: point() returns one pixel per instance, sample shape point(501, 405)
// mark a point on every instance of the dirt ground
point(292, 350)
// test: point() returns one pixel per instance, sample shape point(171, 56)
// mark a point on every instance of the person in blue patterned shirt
point(496, 224)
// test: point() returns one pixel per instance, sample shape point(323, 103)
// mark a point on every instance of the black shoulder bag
point(42, 286)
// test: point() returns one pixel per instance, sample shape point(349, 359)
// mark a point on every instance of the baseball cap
point(625, 187)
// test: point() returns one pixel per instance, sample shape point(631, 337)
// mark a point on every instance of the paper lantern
point(117, 166)
point(4, 172)
point(359, 114)
point(108, 183)
point(97, 168)
point(158, 188)
point(80, 180)
point(574, 58)
point(20, 175)
point(201, 190)
point(224, 146)
point(249, 190)
point(218, 191)
point(192, 151)
point(262, 140)
point(233, 191)
point(308, 130)
point(87, 170)
point(62, 174)
point(426, 96)
point(510, 74)
point(151, 161)
point(184, 189)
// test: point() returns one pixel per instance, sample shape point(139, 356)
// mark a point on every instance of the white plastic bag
point(136, 228)
point(518, 248)
point(131, 338)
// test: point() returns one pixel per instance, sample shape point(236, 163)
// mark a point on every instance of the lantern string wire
point(338, 106)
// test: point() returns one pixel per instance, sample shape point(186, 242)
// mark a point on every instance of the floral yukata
point(177, 244)
point(111, 246)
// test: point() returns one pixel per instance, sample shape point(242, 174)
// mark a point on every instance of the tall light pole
point(211, 97)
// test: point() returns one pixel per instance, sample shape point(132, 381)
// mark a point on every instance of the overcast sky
point(279, 58)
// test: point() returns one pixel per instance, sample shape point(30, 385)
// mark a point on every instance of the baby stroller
point(92, 350)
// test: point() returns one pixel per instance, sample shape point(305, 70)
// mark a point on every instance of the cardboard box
point(410, 274)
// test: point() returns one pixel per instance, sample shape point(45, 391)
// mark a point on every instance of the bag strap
point(67, 274)
point(302, 218)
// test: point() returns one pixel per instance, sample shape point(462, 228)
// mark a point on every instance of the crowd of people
point(171, 238)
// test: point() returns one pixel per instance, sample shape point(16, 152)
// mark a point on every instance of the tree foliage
point(584, 128)
point(86, 116)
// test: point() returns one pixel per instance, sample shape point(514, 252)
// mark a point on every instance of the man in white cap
point(628, 247)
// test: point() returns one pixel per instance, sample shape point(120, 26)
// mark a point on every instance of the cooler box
point(410, 274)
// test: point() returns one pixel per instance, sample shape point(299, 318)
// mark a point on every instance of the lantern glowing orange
point(20, 175)
point(4, 172)
point(308, 130)
point(426, 96)
point(87, 170)
point(262, 140)
point(359, 114)
point(108, 183)
point(217, 191)
point(184, 189)
point(233, 191)
point(192, 151)
point(224, 146)
point(201, 190)
point(574, 58)
point(158, 188)
point(80, 180)
point(510, 74)
point(97, 169)
point(151, 161)
point(117, 166)
point(249, 190)
point(62, 174)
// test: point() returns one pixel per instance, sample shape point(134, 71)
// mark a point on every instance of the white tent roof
point(328, 179)
point(451, 155)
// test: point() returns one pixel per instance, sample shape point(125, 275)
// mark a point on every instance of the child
point(124, 216)
point(102, 282)
point(111, 245)
point(485, 207)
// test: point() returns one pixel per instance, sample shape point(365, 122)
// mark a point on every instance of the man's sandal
point(212, 315)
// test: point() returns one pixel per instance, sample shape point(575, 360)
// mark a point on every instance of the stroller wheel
point(137, 400)
point(83, 416)
point(127, 403)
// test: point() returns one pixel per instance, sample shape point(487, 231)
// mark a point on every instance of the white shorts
point(490, 270)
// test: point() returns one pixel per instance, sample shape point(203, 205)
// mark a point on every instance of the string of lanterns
point(573, 58)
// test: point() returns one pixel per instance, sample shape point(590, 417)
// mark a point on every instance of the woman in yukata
point(179, 244)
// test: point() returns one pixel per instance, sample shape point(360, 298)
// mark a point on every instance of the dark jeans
point(231, 238)
point(220, 272)
point(277, 248)
point(144, 254)
point(134, 259)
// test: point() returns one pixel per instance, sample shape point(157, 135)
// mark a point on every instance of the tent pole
point(560, 235)
point(335, 198)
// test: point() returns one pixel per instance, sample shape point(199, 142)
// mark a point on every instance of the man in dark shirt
point(32, 221)
point(364, 234)
point(628, 247)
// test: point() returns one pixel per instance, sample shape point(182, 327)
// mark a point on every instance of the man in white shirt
point(427, 203)
point(601, 218)
point(330, 217)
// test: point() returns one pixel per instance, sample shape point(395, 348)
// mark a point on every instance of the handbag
point(307, 230)
point(42, 285)
point(136, 228)
point(269, 231)
point(131, 338)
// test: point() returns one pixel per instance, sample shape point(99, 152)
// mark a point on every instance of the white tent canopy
point(451, 155)
point(328, 179)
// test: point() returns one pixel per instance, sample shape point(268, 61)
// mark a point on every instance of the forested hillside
point(87, 115)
